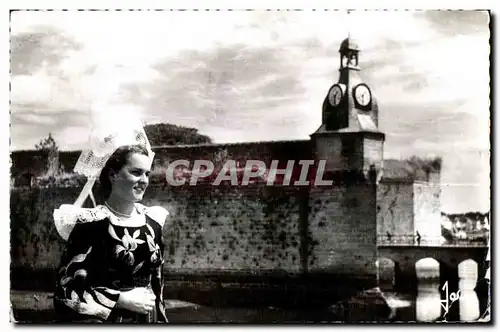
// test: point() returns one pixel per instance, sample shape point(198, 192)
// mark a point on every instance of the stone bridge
point(405, 254)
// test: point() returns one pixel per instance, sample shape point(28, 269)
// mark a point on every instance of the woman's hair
point(115, 163)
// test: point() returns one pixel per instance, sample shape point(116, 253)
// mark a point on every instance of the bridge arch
point(428, 268)
point(468, 271)
point(387, 270)
point(470, 306)
point(407, 258)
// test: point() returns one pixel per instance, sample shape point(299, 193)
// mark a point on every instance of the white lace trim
point(157, 213)
point(68, 215)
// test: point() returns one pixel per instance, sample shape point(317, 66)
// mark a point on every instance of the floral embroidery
point(79, 274)
point(153, 246)
point(86, 304)
point(127, 246)
point(138, 267)
point(156, 256)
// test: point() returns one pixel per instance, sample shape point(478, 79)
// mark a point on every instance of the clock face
point(363, 95)
point(335, 95)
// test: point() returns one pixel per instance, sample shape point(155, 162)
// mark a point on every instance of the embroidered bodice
point(103, 257)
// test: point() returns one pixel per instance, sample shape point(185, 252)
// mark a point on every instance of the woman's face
point(131, 181)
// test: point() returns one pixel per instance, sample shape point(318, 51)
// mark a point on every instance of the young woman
point(111, 268)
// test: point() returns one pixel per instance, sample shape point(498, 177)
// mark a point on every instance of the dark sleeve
point(74, 298)
point(157, 280)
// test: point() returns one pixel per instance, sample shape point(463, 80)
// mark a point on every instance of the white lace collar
point(67, 216)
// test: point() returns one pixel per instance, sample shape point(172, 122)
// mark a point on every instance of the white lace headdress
point(112, 126)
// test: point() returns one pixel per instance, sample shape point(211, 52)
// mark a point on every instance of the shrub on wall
point(431, 164)
point(64, 180)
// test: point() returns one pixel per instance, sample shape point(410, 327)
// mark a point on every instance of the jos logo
point(446, 304)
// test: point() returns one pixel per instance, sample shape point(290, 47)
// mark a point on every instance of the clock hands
point(362, 95)
point(335, 95)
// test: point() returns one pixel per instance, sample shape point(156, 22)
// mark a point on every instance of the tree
point(169, 134)
point(49, 145)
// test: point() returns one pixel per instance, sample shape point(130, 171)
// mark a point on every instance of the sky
point(242, 76)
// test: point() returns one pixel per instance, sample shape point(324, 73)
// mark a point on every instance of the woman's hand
point(140, 300)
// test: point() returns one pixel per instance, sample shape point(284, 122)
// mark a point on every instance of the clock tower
point(348, 138)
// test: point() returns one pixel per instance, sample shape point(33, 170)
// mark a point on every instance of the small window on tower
point(348, 146)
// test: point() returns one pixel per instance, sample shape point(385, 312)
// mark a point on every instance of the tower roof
point(349, 44)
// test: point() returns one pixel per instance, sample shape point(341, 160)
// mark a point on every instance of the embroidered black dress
point(103, 258)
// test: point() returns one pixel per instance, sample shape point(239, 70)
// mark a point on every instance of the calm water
point(426, 306)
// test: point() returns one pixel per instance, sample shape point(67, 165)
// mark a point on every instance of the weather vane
point(349, 23)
